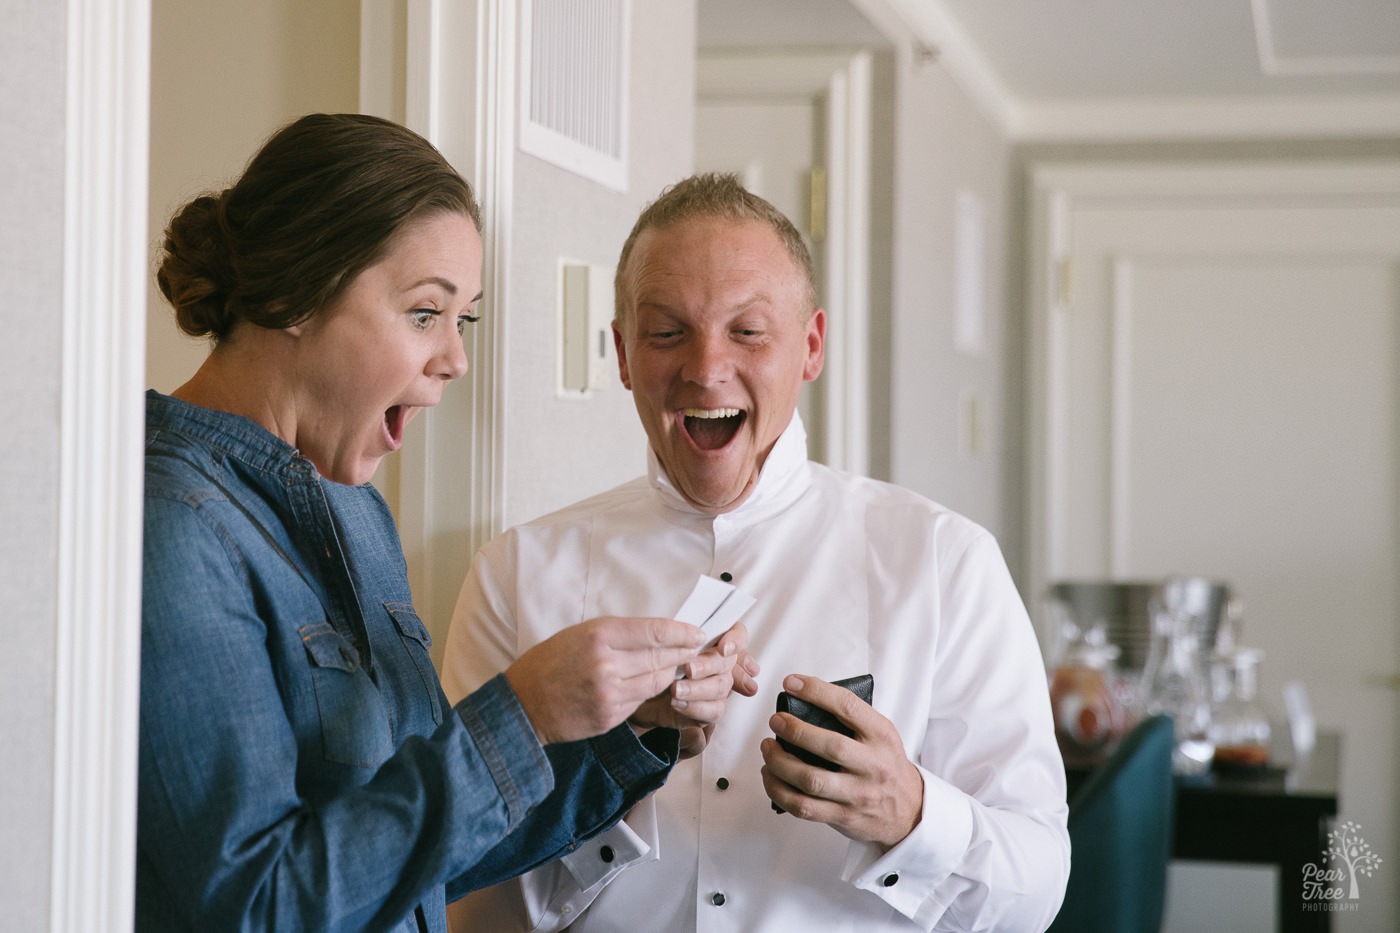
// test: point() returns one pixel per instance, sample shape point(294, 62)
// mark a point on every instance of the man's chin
point(714, 496)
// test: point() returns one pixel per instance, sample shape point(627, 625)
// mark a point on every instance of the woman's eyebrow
point(447, 285)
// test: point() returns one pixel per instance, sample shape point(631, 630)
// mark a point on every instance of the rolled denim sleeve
point(596, 782)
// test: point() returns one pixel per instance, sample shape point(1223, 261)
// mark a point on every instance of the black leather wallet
point(862, 686)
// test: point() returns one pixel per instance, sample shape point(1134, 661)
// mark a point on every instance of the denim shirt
point(300, 768)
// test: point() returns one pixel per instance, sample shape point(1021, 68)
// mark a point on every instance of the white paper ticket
point(714, 605)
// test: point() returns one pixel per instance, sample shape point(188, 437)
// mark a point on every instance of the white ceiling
point(1048, 68)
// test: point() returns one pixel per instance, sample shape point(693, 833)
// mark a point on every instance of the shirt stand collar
point(784, 477)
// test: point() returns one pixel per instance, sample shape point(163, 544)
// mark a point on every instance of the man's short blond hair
point(713, 195)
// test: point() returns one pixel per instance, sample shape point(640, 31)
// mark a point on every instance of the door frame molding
point(842, 78)
point(97, 650)
point(1057, 191)
point(448, 488)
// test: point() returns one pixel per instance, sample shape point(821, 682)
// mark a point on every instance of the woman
point(299, 765)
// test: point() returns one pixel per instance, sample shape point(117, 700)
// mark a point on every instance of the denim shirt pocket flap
point(409, 625)
point(416, 641)
point(328, 648)
point(354, 722)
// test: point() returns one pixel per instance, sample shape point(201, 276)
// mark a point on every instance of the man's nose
point(709, 361)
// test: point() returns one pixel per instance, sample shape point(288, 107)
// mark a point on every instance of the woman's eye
point(423, 317)
point(465, 319)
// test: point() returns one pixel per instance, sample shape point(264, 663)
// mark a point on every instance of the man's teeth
point(710, 412)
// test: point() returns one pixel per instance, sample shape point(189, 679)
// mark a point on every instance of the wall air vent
point(573, 84)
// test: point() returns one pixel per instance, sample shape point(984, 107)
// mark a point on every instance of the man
point(948, 811)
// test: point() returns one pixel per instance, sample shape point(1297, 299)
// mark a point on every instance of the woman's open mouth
point(395, 420)
point(712, 428)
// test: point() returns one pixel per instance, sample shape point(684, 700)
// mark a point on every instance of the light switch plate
point(585, 324)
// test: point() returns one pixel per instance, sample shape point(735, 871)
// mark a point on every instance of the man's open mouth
point(712, 428)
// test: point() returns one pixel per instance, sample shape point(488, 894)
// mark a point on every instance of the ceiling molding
point(1373, 116)
point(791, 72)
point(928, 23)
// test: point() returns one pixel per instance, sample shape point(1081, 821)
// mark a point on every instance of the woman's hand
point(592, 676)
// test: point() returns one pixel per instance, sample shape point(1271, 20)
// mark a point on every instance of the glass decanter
point(1174, 680)
point(1239, 727)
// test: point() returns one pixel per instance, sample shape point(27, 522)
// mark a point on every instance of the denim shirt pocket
point(417, 642)
point(354, 722)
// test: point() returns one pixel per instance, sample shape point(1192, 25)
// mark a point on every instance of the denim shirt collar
point(229, 436)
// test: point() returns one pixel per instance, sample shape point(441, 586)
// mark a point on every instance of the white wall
point(32, 110)
point(223, 77)
point(560, 450)
point(944, 145)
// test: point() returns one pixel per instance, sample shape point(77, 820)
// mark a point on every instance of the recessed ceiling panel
point(1332, 37)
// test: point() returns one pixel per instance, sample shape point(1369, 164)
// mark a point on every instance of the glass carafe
point(1239, 727)
point(1174, 680)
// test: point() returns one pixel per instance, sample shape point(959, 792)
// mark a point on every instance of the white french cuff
point(906, 877)
point(598, 861)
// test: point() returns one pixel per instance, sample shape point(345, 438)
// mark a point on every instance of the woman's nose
point(451, 362)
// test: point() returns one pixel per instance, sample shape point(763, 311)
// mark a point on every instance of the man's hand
point(877, 796)
point(590, 677)
point(696, 702)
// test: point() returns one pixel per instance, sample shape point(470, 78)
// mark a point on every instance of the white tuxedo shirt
point(851, 576)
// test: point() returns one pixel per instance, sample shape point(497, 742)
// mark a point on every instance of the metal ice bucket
point(1124, 607)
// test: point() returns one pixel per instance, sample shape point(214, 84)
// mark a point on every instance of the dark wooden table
point(1280, 817)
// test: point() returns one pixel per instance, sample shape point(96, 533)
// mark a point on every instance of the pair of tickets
point(713, 606)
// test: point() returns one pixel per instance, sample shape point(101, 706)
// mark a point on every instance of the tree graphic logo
point(1346, 847)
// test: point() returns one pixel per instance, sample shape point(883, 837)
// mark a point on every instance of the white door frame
point(842, 79)
point(1057, 191)
point(98, 623)
point(448, 69)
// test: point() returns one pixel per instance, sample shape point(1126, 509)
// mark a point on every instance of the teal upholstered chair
point(1120, 828)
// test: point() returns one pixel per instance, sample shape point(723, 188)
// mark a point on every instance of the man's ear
point(621, 346)
point(816, 345)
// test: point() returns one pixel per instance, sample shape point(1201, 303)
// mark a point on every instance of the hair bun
point(194, 272)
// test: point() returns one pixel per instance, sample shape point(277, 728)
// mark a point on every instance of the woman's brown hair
point(322, 200)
